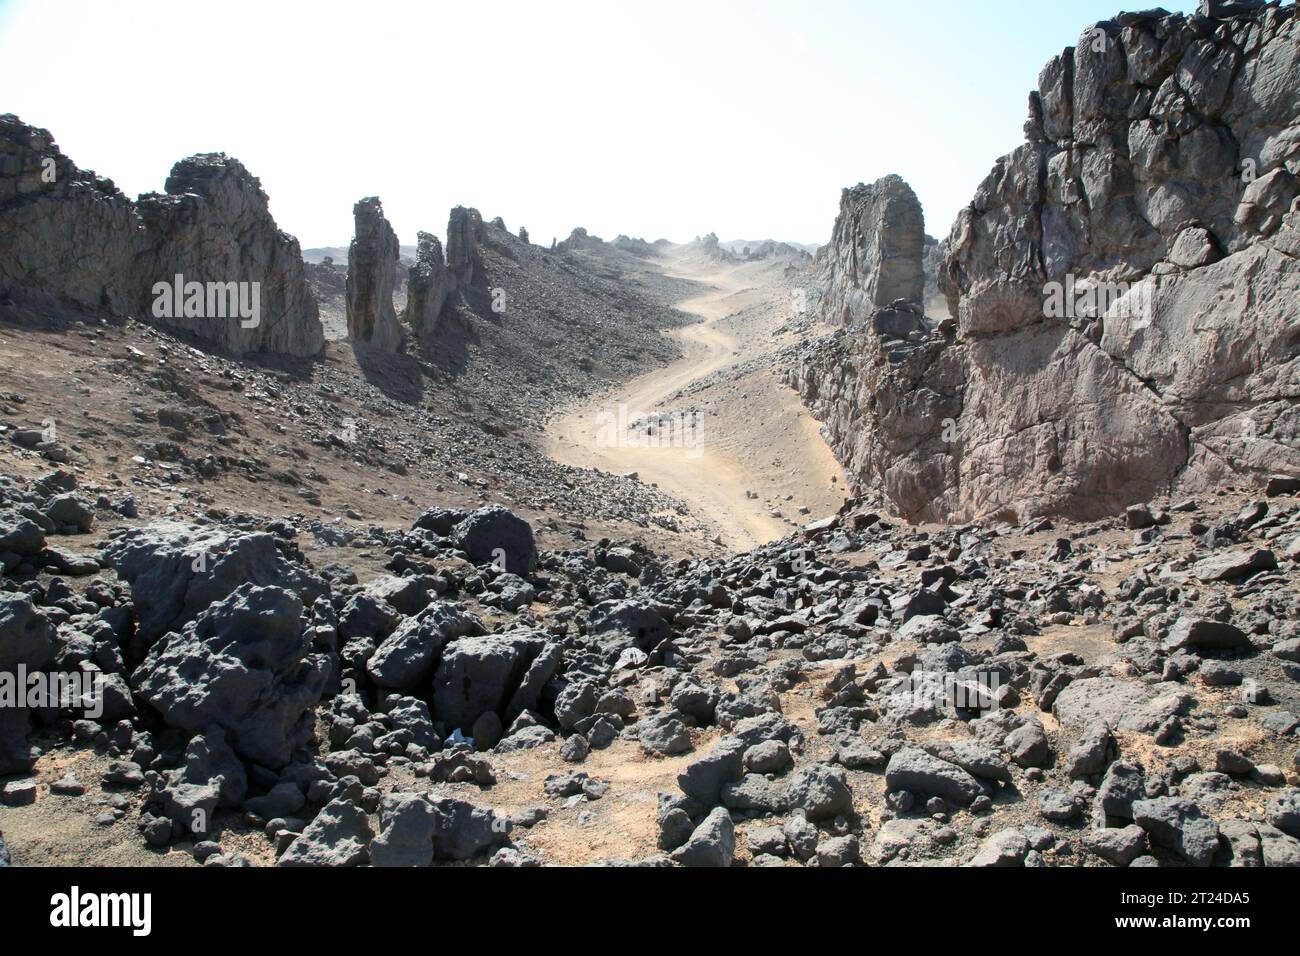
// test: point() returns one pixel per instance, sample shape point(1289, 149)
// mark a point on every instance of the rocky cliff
point(213, 224)
point(876, 253)
point(70, 240)
point(429, 286)
point(1123, 286)
point(67, 236)
point(465, 232)
point(372, 275)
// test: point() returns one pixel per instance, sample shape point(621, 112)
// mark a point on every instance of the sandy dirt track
point(712, 482)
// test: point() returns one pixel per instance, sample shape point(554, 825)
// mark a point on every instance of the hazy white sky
point(665, 118)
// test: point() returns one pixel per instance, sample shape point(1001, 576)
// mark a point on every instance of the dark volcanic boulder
point(920, 773)
point(621, 624)
point(465, 831)
point(27, 639)
point(243, 665)
point(497, 534)
point(480, 674)
point(1195, 633)
point(407, 826)
point(20, 535)
point(1180, 826)
point(177, 570)
point(415, 829)
point(406, 658)
point(440, 520)
point(339, 836)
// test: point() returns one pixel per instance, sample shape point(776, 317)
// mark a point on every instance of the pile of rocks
point(355, 723)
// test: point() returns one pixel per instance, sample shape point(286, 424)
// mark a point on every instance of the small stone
point(1233, 763)
point(713, 844)
point(1118, 846)
point(575, 749)
point(68, 786)
point(1007, 848)
point(18, 793)
point(838, 851)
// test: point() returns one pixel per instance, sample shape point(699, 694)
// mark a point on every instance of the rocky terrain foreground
point(373, 580)
point(1120, 693)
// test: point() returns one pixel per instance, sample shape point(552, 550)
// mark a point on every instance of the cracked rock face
point(213, 224)
point(876, 254)
point(242, 665)
point(67, 236)
point(465, 232)
point(176, 570)
point(1161, 158)
point(430, 285)
point(71, 238)
point(372, 275)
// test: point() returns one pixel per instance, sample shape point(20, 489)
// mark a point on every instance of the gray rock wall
point(1161, 160)
point(67, 236)
point(213, 224)
point(875, 256)
point(71, 239)
point(372, 275)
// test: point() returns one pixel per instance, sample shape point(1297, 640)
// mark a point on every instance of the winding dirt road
point(713, 484)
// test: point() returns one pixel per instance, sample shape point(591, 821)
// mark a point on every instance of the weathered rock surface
point(176, 570)
point(69, 238)
point(478, 675)
point(918, 772)
point(372, 276)
point(213, 224)
point(405, 659)
point(496, 534)
point(243, 665)
point(428, 288)
point(1180, 826)
point(407, 827)
point(875, 254)
point(339, 836)
point(465, 233)
point(713, 843)
point(1166, 162)
point(28, 641)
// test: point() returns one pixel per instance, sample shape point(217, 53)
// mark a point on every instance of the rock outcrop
point(71, 240)
point(430, 285)
point(1123, 290)
point(875, 256)
point(176, 570)
point(465, 232)
point(213, 225)
point(67, 236)
point(243, 665)
point(29, 643)
point(372, 275)
point(579, 238)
